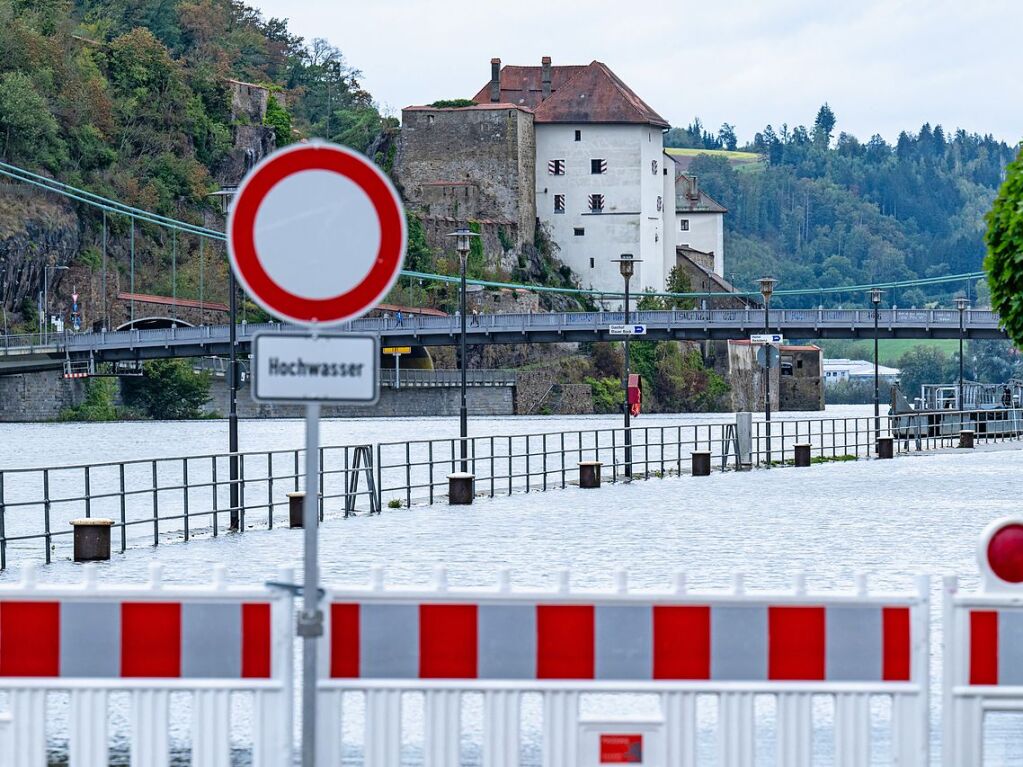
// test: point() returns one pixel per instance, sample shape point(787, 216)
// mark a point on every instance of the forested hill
point(133, 99)
point(826, 209)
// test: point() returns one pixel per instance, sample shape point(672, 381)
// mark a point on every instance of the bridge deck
point(21, 353)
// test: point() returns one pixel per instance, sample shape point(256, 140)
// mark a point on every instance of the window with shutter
point(596, 203)
point(598, 166)
point(559, 203)
point(556, 167)
point(660, 203)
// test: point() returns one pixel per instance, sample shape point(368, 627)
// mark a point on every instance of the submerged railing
point(161, 500)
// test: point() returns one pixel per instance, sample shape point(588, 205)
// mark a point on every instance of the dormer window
point(596, 203)
point(556, 167)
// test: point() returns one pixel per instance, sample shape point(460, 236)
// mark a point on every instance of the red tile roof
point(187, 303)
point(579, 94)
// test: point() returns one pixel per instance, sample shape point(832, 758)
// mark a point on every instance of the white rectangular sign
point(298, 367)
point(766, 338)
point(627, 330)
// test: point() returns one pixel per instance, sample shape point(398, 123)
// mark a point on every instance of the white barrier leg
point(329, 707)
point(150, 743)
point(735, 729)
point(6, 734)
point(966, 747)
point(271, 739)
point(88, 738)
point(852, 730)
point(442, 728)
point(501, 728)
point(560, 728)
point(211, 728)
point(910, 746)
point(383, 728)
point(28, 710)
point(679, 710)
point(795, 729)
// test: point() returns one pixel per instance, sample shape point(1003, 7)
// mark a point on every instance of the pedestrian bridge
point(33, 352)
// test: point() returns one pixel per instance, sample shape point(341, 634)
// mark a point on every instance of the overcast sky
point(883, 65)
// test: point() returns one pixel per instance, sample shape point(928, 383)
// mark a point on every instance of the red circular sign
point(1005, 553)
point(316, 234)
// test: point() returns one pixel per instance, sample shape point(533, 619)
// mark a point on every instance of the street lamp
point(226, 195)
point(627, 267)
point(875, 298)
point(961, 304)
point(766, 290)
point(46, 295)
point(463, 238)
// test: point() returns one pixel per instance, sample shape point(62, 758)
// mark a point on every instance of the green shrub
point(1004, 262)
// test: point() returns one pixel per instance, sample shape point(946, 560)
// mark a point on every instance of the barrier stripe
point(983, 647)
point(151, 639)
point(110, 639)
point(447, 641)
point(681, 642)
point(796, 647)
point(29, 642)
point(739, 642)
point(1010, 647)
point(564, 645)
point(897, 644)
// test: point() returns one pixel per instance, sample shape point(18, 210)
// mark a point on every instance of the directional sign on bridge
point(766, 338)
point(627, 330)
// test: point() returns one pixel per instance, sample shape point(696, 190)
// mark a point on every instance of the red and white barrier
point(983, 644)
point(153, 641)
point(679, 644)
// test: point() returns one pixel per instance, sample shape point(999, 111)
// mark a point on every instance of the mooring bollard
point(589, 473)
point(296, 508)
point(803, 454)
point(92, 539)
point(885, 447)
point(701, 463)
point(461, 488)
point(966, 438)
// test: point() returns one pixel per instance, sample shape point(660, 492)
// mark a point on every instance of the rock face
point(36, 230)
point(252, 140)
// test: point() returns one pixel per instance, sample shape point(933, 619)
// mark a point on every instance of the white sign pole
point(397, 371)
point(310, 619)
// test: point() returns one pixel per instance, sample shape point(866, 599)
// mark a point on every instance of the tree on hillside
point(923, 365)
point(824, 126)
point(1004, 261)
point(726, 135)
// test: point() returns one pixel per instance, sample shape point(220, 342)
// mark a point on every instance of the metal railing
point(426, 379)
point(167, 499)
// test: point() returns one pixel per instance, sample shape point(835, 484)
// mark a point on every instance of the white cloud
point(883, 65)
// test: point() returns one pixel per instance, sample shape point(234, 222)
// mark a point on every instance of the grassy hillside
point(741, 161)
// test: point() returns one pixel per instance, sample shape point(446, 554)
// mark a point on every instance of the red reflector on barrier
point(983, 647)
point(621, 749)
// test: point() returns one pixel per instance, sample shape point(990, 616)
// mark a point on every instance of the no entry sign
point(316, 234)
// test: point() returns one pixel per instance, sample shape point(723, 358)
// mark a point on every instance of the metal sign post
point(317, 235)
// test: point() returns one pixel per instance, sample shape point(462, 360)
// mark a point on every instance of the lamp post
point(627, 267)
point(875, 299)
point(46, 295)
point(961, 304)
point(766, 290)
point(225, 195)
point(462, 243)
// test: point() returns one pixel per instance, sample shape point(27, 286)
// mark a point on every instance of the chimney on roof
point(694, 188)
point(495, 80)
point(545, 67)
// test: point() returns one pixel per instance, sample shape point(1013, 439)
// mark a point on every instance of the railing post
point(88, 495)
point(216, 500)
point(184, 495)
point(46, 511)
point(156, 507)
point(3, 526)
point(270, 490)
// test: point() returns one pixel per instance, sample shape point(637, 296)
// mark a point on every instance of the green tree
point(1004, 262)
point(100, 403)
point(277, 117)
point(28, 129)
point(824, 126)
point(607, 394)
point(682, 383)
point(922, 365)
point(168, 390)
